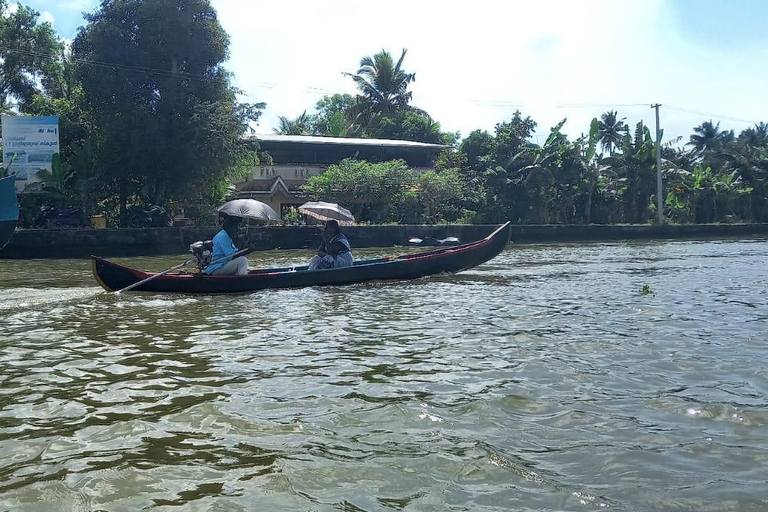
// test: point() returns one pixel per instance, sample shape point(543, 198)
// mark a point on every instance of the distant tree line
point(606, 176)
point(148, 114)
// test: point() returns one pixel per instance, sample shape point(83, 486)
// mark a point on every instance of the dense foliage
point(168, 118)
point(28, 55)
point(391, 191)
point(148, 114)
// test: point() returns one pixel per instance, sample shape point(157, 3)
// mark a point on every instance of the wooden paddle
point(241, 252)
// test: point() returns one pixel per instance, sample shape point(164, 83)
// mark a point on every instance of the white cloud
point(473, 66)
point(79, 5)
point(477, 63)
point(46, 16)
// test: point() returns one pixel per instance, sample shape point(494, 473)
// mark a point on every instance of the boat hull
point(114, 277)
point(9, 209)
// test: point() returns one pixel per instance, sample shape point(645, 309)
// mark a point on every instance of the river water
point(544, 379)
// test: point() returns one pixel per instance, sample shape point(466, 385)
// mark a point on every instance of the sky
point(477, 62)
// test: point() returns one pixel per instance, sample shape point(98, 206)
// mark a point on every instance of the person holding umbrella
point(223, 246)
point(334, 251)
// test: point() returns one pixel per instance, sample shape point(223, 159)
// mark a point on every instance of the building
point(297, 157)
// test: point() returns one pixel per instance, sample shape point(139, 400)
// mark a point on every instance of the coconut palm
point(302, 125)
point(611, 131)
point(383, 87)
point(756, 137)
point(751, 169)
point(709, 137)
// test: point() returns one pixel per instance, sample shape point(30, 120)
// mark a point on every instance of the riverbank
point(81, 243)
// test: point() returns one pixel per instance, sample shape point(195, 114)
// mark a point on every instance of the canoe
point(9, 209)
point(113, 276)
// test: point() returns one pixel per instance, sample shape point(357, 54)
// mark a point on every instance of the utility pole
point(659, 188)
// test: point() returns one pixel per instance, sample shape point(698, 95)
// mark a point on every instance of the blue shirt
point(222, 247)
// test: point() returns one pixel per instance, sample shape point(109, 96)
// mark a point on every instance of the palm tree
point(756, 137)
point(709, 137)
point(611, 131)
point(383, 87)
point(302, 125)
point(751, 169)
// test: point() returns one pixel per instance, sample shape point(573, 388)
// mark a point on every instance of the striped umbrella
point(321, 210)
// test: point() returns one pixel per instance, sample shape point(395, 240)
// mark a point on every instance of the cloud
point(79, 5)
point(46, 17)
point(473, 67)
point(551, 59)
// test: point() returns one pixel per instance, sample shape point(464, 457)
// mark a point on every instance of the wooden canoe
point(113, 276)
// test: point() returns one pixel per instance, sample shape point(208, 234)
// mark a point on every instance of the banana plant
point(636, 168)
point(55, 182)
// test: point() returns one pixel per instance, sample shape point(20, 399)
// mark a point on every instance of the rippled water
point(542, 380)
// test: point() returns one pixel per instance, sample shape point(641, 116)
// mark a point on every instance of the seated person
point(335, 251)
point(224, 246)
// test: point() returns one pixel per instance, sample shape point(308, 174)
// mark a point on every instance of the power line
point(324, 91)
point(600, 105)
point(710, 114)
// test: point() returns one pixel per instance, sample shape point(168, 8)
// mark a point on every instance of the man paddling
point(223, 246)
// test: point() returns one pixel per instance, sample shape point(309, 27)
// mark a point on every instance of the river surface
point(545, 379)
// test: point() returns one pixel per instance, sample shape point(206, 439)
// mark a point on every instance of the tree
point(65, 98)
point(331, 117)
point(162, 101)
point(408, 125)
point(611, 131)
point(709, 138)
point(756, 137)
point(750, 168)
point(476, 148)
point(441, 195)
point(373, 192)
point(635, 167)
point(383, 86)
point(28, 52)
point(302, 125)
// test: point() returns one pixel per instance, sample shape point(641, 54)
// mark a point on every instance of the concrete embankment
point(81, 243)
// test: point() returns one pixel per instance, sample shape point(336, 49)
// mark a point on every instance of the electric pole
point(659, 188)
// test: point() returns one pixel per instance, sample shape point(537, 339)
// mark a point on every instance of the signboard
point(29, 144)
point(287, 172)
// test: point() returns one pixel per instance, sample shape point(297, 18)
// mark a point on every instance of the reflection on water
point(542, 380)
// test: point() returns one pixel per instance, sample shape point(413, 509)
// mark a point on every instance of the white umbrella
point(249, 209)
point(321, 210)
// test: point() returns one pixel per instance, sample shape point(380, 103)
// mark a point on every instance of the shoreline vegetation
point(121, 106)
point(82, 243)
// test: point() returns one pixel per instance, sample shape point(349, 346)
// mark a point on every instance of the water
point(542, 380)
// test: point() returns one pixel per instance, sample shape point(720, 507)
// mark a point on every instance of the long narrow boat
point(113, 276)
point(9, 209)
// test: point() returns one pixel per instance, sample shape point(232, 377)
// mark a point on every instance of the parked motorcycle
point(52, 217)
point(150, 217)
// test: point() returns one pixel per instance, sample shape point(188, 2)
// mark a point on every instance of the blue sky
point(476, 63)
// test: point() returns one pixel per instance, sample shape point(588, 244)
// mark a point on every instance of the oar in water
point(233, 255)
